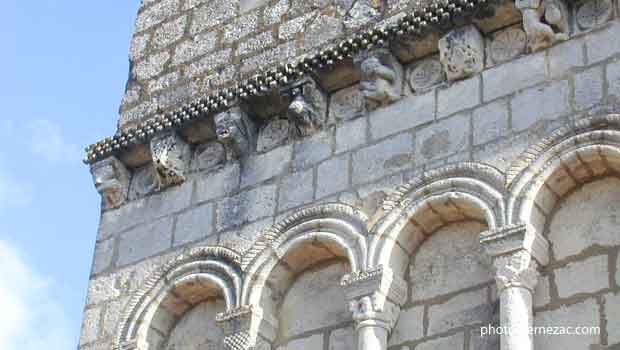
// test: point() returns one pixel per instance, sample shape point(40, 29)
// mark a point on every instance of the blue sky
point(64, 66)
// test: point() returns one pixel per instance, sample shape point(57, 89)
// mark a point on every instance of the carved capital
point(544, 22)
point(461, 52)
point(170, 156)
point(111, 181)
point(381, 81)
point(375, 296)
point(236, 131)
point(516, 252)
point(243, 325)
point(306, 112)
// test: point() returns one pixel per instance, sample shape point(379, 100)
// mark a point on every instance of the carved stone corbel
point(244, 325)
point(516, 252)
point(170, 159)
point(461, 52)
point(236, 131)
point(375, 298)
point(381, 78)
point(111, 180)
point(307, 110)
point(545, 22)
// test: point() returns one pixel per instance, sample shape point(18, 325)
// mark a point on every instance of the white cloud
point(48, 141)
point(31, 319)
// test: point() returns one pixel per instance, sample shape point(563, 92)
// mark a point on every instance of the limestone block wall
point(411, 185)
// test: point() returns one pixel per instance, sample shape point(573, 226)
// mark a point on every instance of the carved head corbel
point(111, 180)
point(307, 109)
point(381, 81)
point(170, 158)
point(235, 130)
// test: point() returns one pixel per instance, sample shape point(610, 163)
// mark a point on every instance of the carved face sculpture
point(109, 182)
point(168, 160)
point(461, 52)
point(226, 127)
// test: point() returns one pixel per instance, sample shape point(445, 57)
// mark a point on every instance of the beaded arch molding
point(439, 16)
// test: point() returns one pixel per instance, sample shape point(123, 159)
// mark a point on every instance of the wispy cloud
point(48, 141)
point(31, 318)
point(13, 192)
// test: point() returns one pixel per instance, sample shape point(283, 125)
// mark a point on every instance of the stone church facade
point(362, 174)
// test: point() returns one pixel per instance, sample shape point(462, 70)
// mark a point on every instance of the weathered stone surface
point(311, 342)
point(613, 79)
point(104, 254)
point(539, 103)
point(513, 76)
point(343, 338)
point(169, 32)
point(386, 157)
point(409, 327)
point(425, 74)
point(150, 66)
point(296, 189)
point(274, 134)
point(112, 316)
point(588, 217)
point(333, 176)
point(463, 309)
point(582, 314)
point(449, 260)
point(408, 113)
point(273, 14)
point(209, 63)
point(208, 156)
point(312, 150)
point(265, 166)
point(461, 52)
point(156, 14)
point(351, 134)
point(490, 122)
point(565, 56)
point(211, 14)
point(240, 27)
point(460, 95)
point(346, 104)
point(223, 182)
point(197, 328)
point(246, 207)
point(612, 310)
point(602, 44)
point(111, 180)
point(90, 325)
point(592, 274)
point(542, 294)
point(194, 224)
point(443, 138)
point(483, 342)
point(198, 46)
point(450, 342)
point(319, 284)
point(144, 241)
point(588, 88)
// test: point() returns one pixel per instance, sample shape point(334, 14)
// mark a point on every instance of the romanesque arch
point(193, 277)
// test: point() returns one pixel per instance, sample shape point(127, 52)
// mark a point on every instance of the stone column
point(375, 298)
point(516, 252)
point(246, 328)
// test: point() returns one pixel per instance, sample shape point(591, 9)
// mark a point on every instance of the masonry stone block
point(351, 134)
point(169, 32)
point(104, 254)
point(478, 341)
point(443, 138)
point(588, 217)
point(513, 76)
point(112, 316)
point(463, 309)
point(542, 294)
point(296, 189)
point(582, 314)
point(588, 88)
point(314, 301)
point(613, 79)
point(540, 103)
point(333, 176)
point(208, 156)
point(309, 343)
point(200, 45)
point(102, 289)
point(612, 310)
point(198, 328)
point(223, 182)
point(342, 338)
point(593, 274)
point(272, 135)
point(490, 122)
point(144, 241)
point(156, 14)
point(246, 207)
point(211, 14)
point(313, 149)
point(194, 224)
point(409, 327)
point(455, 342)
point(603, 44)
point(261, 167)
point(566, 56)
point(404, 114)
point(448, 261)
point(389, 156)
point(458, 96)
